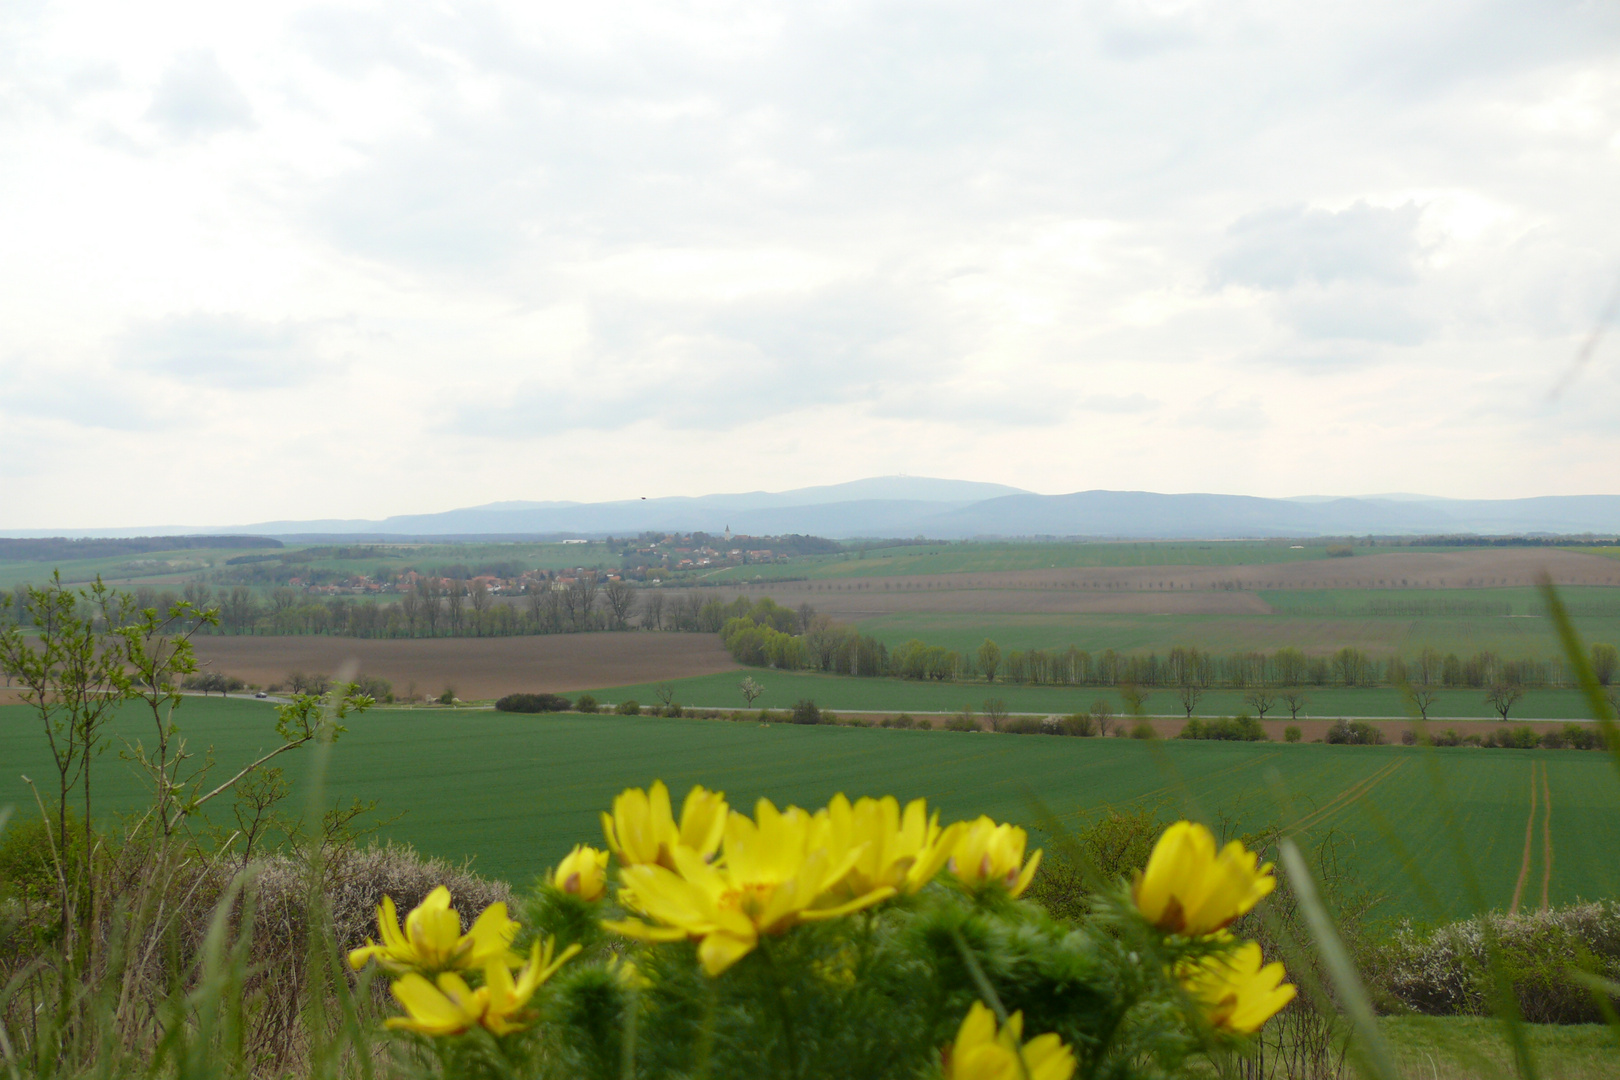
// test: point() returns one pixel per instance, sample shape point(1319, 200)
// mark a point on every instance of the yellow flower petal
point(1189, 888)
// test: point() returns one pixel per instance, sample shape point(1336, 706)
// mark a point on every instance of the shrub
point(1553, 739)
point(1024, 725)
point(533, 703)
point(1117, 845)
point(962, 721)
point(904, 720)
point(376, 687)
point(1445, 972)
point(1519, 738)
point(1291, 733)
point(1230, 729)
point(585, 703)
point(1583, 737)
point(628, 708)
point(1079, 724)
point(448, 697)
point(673, 711)
point(805, 712)
point(1354, 733)
point(27, 868)
point(1144, 730)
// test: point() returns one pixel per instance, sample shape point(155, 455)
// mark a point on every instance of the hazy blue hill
point(904, 506)
point(1148, 514)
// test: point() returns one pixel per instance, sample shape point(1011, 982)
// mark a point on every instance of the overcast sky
point(350, 260)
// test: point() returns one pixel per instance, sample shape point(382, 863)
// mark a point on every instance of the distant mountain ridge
point(904, 506)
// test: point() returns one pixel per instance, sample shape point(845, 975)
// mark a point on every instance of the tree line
point(765, 634)
point(442, 607)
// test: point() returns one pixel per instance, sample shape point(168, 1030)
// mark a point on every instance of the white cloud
point(197, 98)
point(226, 352)
point(476, 252)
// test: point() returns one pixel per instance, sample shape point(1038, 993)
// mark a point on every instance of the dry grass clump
point(146, 951)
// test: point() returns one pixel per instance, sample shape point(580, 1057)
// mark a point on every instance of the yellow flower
point(986, 852)
point(642, 829)
point(1189, 889)
point(980, 1052)
point(449, 1006)
point(1236, 993)
point(431, 939)
point(776, 872)
point(901, 851)
point(582, 871)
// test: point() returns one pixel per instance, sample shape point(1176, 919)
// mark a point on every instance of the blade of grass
point(1576, 656)
point(1371, 1049)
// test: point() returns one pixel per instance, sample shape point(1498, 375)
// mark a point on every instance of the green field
point(123, 569)
point(844, 693)
point(965, 558)
point(356, 558)
point(514, 792)
point(1382, 636)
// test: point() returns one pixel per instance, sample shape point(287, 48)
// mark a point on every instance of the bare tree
point(410, 605)
point(1190, 696)
point(455, 594)
point(995, 711)
point(652, 610)
point(427, 590)
point(479, 596)
point(665, 693)
point(1261, 698)
point(621, 601)
point(806, 615)
point(579, 600)
point(1422, 698)
point(1103, 713)
point(1295, 699)
point(1502, 697)
point(545, 606)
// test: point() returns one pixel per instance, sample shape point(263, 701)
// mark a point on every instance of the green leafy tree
point(989, 657)
point(1605, 663)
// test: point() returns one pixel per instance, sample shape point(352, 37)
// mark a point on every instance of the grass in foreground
point(1473, 1048)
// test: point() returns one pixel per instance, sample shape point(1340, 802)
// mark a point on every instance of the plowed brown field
point(476, 667)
